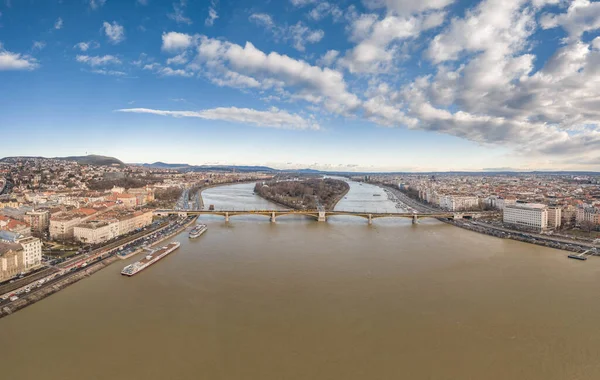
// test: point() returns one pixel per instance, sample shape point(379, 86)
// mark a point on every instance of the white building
point(61, 227)
point(458, 203)
point(32, 251)
point(528, 215)
point(503, 202)
point(96, 232)
point(131, 222)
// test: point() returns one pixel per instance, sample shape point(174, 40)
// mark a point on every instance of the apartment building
point(32, 252)
point(11, 260)
point(96, 232)
point(61, 226)
point(554, 217)
point(526, 215)
point(587, 214)
point(458, 203)
point(39, 221)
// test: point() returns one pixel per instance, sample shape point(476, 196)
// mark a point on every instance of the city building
point(569, 216)
point(587, 215)
point(458, 203)
point(61, 226)
point(11, 260)
point(127, 200)
point(32, 252)
point(39, 221)
point(526, 215)
point(97, 231)
point(133, 221)
point(554, 217)
point(14, 225)
point(9, 203)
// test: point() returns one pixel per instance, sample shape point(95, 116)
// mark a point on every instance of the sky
point(366, 85)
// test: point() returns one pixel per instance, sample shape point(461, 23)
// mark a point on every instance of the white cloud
point(232, 79)
point(114, 73)
point(379, 40)
point(114, 32)
point(581, 16)
point(142, 2)
point(495, 27)
point(273, 118)
point(169, 72)
point(325, 9)
point(407, 7)
point(95, 4)
point(152, 66)
point(86, 45)
point(178, 14)
point(314, 84)
point(38, 45)
point(98, 60)
point(212, 14)
point(16, 61)
point(174, 41)
point(302, 3)
point(299, 34)
point(58, 24)
point(329, 58)
point(486, 90)
point(262, 19)
point(180, 59)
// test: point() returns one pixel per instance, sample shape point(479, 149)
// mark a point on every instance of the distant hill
point(83, 160)
point(224, 168)
point(230, 168)
point(93, 159)
point(163, 165)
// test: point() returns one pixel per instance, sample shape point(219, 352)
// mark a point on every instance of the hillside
point(93, 159)
point(83, 160)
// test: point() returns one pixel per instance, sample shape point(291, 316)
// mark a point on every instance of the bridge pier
point(226, 217)
point(370, 219)
point(322, 216)
point(272, 217)
point(415, 219)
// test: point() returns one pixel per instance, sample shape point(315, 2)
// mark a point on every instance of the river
point(299, 299)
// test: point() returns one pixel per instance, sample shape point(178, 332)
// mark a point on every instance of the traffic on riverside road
point(122, 247)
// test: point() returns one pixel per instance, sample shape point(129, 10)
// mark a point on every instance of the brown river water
point(305, 300)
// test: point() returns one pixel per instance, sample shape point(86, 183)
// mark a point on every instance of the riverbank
point(177, 232)
point(69, 276)
point(53, 287)
point(503, 233)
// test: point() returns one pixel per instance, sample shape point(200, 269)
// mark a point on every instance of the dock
point(583, 256)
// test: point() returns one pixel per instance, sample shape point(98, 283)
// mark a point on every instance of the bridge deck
point(365, 214)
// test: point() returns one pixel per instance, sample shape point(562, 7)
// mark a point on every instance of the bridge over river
point(322, 215)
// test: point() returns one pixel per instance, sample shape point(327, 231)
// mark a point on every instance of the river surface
point(305, 300)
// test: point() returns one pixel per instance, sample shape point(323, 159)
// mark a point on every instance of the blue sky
point(352, 85)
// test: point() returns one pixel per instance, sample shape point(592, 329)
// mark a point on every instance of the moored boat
point(150, 259)
point(198, 230)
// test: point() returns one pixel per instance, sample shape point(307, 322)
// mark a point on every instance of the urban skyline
point(368, 85)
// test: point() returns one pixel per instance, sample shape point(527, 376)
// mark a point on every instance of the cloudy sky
point(351, 85)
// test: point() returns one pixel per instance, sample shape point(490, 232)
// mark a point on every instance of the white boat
point(198, 230)
point(150, 259)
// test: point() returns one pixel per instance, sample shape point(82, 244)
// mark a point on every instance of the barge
point(150, 259)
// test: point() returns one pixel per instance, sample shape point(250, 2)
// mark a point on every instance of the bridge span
point(321, 215)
